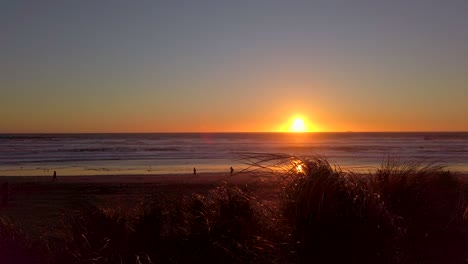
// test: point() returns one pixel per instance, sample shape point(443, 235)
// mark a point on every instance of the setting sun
point(298, 125)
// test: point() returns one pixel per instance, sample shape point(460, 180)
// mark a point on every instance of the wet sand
point(205, 178)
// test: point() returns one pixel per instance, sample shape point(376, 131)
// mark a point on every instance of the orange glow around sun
point(298, 125)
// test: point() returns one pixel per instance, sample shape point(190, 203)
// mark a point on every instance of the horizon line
point(244, 132)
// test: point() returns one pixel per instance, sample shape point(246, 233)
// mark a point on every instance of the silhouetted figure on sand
point(4, 192)
point(232, 171)
point(54, 178)
point(194, 171)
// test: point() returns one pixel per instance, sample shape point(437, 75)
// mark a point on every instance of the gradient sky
point(180, 66)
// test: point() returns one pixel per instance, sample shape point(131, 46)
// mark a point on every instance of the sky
point(233, 66)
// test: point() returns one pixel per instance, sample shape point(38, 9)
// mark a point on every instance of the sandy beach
point(204, 178)
point(39, 205)
point(44, 201)
point(42, 208)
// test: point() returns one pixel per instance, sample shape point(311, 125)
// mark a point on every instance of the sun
point(298, 125)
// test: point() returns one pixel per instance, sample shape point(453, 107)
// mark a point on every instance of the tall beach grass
point(403, 212)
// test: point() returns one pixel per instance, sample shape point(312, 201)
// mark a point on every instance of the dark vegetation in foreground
point(404, 212)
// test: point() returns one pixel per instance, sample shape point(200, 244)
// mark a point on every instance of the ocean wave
point(365, 148)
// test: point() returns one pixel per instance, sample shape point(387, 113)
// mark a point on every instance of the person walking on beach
point(232, 171)
point(4, 192)
point(54, 178)
point(194, 171)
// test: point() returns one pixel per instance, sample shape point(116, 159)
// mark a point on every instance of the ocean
point(177, 153)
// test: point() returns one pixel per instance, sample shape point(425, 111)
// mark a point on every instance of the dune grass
point(17, 247)
point(332, 212)
point(431, 201)
point(403, 212)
